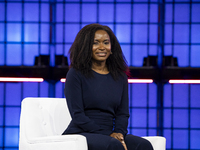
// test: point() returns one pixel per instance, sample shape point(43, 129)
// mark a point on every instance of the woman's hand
point(119, 137)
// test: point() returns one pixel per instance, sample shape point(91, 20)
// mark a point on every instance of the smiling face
point(101, 49)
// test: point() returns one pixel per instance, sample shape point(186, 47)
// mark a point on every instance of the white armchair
point(43, 120)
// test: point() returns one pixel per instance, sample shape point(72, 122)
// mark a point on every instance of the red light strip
point(185, 81)
point(13, 79)
point(129, 80)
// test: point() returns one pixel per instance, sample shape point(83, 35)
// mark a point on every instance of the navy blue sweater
point(98, 104)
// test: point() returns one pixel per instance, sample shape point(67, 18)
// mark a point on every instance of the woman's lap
point(105, 142)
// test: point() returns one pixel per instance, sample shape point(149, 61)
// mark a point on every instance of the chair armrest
point(60, 142)
point(158, 142)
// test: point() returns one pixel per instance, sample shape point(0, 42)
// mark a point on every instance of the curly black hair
point(81, 52)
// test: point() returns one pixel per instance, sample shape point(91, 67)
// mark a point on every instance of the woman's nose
point(101, 46)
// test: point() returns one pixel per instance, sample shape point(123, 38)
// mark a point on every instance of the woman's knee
point(115, 145)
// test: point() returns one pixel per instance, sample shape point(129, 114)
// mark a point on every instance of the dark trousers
point(104, 142)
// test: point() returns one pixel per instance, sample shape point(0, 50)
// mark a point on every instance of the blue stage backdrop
point(29, 28)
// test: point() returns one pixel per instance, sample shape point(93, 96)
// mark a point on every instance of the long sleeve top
point(98, 104)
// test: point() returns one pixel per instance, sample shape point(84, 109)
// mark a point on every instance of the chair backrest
point(43, 117)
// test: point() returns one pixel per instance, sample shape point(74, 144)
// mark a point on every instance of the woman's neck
point(100, 67)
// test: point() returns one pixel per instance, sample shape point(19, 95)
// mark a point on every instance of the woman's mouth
point(101, 54)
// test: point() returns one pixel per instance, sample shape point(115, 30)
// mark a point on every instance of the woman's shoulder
point(72, 72)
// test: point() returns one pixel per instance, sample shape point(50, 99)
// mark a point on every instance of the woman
point(96, 90)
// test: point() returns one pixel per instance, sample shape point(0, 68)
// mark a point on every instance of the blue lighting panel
point(2, 11)
point(106, 12)
point(30, 89)
point(11, 137)
point(13, 94)
point(182, 13)
point(1, 116)
point(1, 94)
point(140, 12)
point(139, 132)
point(181, 33)
point(139, 33)
point(44, 89)
point(195, 11)
point(72, 0)
point(153, 50)
point(59, 89)
point(106, 0)
point(138, 54)
point(71, 30)
point(195, 33)
point(139, 92)
point(59, 12)
point(167, 135)
point(13, 55)
point(14, 32)
point(123, 13)
point(59, 33)
point(1, 138)
point(194, 139)
point(180, 118)
point(12, 116)
point(195, 96)
point(180, 136)
point(168, 33)
point(167, 96)
point(2, 51)
point(72, 12)
point(137, 114)
point(45, 28)
point(31, 32)
point(195, 55)
point(44, 49)
point(152, 118)
point(89, 13)
point(153, 33)
point(126, 51)
point(195, 119)
point(123, 33)
point(168, 13)
point(180, 95)
point(31, 12)
point(152, 95)
point(1, 32)
point(123, 0)
point(89, 0)
point(30, 52)
point(167, 121)
point(45, 12)
point(14, 11)
point(153, 13)
point(182, 53)
point(59, 49)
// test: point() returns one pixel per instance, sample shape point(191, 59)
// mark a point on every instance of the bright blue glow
point(1, 94)
point(59, 12)
point(13, 55)
point(44, 89)
point(167, 50)
point(123, 33)
point(123, 13)
point(30, 89)
point(182, 53)
point(195, 96)
point(1, 116)
point(140, 12)
point(31, 32)
point(30, 52)
point(31, 12)
point(45, 28)
point(180, 118)
point(195, 55)
point(106, 12)
point(152, 95)
point(44, 49)
point(137, 114)
point(139, 92)
point(12, 116)
point(139, 132)
point(167, 95)
point(11, 137)
point(1, 32)
point(1, 137)
point(138, 54)
point(195, 120)
point(152, 118)
point(59, 33)
point(195, 33)
point(45, 12)
point(89, 13)
point(180, 136)
point(14, 32)
point(153, 13)
point(72, 12)
point(182, 13)
point(194, 139)
point(59, 49)
point(13, 94)
point(167, 135)
point(59, 89)
point(167, 121)
point(2, 11)
point(139, 34)
point(71, 30)
point(2, 51)
point(180, 95)
point(168, 12)
point(181, 33)
point(168, 33)
point(14, 12)
point(195, 11)
point(153, 34)
point(153, 50)
point(126, 52)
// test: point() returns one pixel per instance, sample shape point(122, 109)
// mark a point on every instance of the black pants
point(104, 142)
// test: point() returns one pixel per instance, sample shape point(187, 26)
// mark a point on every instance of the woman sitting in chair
point(96, 90)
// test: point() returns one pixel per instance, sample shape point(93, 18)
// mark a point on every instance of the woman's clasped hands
point(119, 137)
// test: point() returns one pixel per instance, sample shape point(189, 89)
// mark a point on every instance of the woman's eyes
point(106, 43)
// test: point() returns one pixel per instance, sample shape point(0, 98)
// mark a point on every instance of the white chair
point(43, 120)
